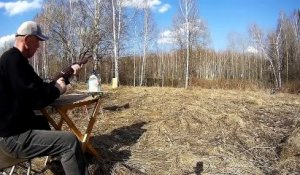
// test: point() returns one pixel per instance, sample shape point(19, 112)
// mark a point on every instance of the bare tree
point(116, 72)
point(148, 29)
point(262, 44)
point(121, 19)
point(145, 44)
point(295, 45)
point(75, 29)
point(189, 30)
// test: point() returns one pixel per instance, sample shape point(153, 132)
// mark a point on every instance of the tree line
point(122, 43)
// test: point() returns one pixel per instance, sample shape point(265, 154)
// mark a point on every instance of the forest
point(122, 44)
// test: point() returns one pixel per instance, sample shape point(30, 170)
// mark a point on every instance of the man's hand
point(76, 68)
point(61, 85)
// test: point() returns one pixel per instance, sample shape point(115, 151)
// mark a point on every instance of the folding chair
point(9, 163)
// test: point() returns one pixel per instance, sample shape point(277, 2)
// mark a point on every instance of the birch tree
point(145, 44)
point(65, 24)
point(189, 30)
point(185, 7)
point(269, 48)
point(74, 29)
point(148, 28)
point(96, 18)
point(115, 37)
point(295, 45)
point(118, 32)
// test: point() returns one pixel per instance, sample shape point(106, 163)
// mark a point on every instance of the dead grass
point(196, 131)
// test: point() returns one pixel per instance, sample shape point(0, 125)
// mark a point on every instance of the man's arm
point(28, 86)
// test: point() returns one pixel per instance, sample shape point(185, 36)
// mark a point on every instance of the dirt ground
point(196, 131)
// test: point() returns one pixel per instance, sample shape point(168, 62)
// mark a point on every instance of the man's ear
point(27, 40)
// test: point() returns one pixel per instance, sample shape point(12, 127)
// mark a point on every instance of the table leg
point(51, 121)
point(83, 138)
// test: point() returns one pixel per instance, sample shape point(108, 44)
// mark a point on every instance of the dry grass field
point(196, 131)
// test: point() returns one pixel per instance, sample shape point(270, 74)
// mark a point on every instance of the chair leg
point(12, 170)
point(24, 166)
point(29, 167)
point(46, 161)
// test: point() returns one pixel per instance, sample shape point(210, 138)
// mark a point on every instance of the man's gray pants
point(40, 142)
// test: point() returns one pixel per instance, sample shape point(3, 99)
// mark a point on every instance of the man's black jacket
point(21, 91)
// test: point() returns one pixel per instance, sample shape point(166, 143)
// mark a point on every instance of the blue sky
point(234, 16)
point(222, 16)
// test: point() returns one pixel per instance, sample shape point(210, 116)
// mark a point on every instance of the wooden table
point(69, 102)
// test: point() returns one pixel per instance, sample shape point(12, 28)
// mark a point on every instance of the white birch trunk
point(96, 23)
point(146, 16)
point(187, 45)
point(116, 72)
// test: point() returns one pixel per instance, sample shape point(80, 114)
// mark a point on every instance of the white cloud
point(166, 37)
point(251, 49)
point(7, 41)
point(20, 6)
point(169, 36)
point(164, 8)
point(141, 3)
point(152, 4)
point(132, 3)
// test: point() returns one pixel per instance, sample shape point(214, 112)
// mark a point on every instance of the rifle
point(67, 72)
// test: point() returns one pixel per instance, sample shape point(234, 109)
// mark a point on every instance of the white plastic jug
point(93, 84)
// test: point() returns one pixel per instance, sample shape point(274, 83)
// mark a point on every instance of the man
point(22, 134)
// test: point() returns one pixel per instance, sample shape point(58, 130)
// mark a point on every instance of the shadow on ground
point(114, 147)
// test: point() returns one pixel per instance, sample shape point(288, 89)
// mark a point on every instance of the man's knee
point(70, 138)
